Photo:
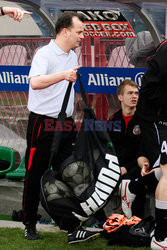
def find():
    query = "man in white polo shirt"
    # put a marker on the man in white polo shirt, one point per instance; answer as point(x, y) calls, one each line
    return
point(53, 66)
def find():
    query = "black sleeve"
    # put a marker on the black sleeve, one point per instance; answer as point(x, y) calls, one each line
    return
point(153, 92)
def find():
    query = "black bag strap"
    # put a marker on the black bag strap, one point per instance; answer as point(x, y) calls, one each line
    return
point(67, 94)
point(87, 107)
point(62, 114)
point(82, 89)
point(61, 117)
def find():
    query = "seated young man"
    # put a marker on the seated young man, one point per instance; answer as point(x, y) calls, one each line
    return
point(126, 136)
point(125, 133)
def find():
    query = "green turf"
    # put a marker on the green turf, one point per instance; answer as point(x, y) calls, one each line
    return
point(13, 239)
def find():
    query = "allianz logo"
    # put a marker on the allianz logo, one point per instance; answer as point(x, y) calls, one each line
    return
point(104, 79)
point(9, 77)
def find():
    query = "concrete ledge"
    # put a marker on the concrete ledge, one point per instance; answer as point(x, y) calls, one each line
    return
point(40, 227)
point(11, 193)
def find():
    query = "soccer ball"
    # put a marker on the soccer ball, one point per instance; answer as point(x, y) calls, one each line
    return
point(56, 190)
point(77, 175)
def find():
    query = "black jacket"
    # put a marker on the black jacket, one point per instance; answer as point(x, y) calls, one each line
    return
point(126, 141)
point(153, 92)
point(152, 103)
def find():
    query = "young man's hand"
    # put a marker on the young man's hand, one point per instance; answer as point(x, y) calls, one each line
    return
point(123, 170)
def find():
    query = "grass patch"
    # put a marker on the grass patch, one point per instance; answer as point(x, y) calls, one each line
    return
point(5, 217)
point(13, 238)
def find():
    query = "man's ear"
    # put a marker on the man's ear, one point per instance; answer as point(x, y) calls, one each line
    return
point(65, 32)
point(120, 98)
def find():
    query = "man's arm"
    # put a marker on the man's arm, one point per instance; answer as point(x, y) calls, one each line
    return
point(44, 81)
point(15, 13)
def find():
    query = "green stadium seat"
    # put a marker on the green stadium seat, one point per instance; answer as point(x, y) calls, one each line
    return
point(7, 160)
point(18, 173)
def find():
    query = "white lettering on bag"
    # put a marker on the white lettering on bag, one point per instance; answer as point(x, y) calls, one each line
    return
point(107, 181)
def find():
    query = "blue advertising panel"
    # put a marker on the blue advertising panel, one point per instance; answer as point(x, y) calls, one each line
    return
point(106, 80)
point(95, 80)
point(14, 78)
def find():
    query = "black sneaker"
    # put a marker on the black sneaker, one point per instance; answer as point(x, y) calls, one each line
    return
point(81, 235)
point(30, 232)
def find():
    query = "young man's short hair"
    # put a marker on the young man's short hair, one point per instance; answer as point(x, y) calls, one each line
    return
point(65, 20)
point(120, 89)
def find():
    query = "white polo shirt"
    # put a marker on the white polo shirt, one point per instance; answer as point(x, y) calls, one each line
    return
point(48, 60)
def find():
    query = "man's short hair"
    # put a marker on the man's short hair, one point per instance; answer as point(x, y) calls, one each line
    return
point(65, 20)
point(120, 89)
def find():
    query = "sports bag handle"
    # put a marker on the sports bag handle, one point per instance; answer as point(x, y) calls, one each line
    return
point(61, 117)
point(65, 102)
point(82, 89)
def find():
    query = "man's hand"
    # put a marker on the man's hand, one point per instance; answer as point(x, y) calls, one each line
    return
point(15, 13)
point(144, 164)
point(71, 74)
point(145, 169)
point(123, 170)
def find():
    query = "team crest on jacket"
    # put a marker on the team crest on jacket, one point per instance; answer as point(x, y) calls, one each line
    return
point(136, 130)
